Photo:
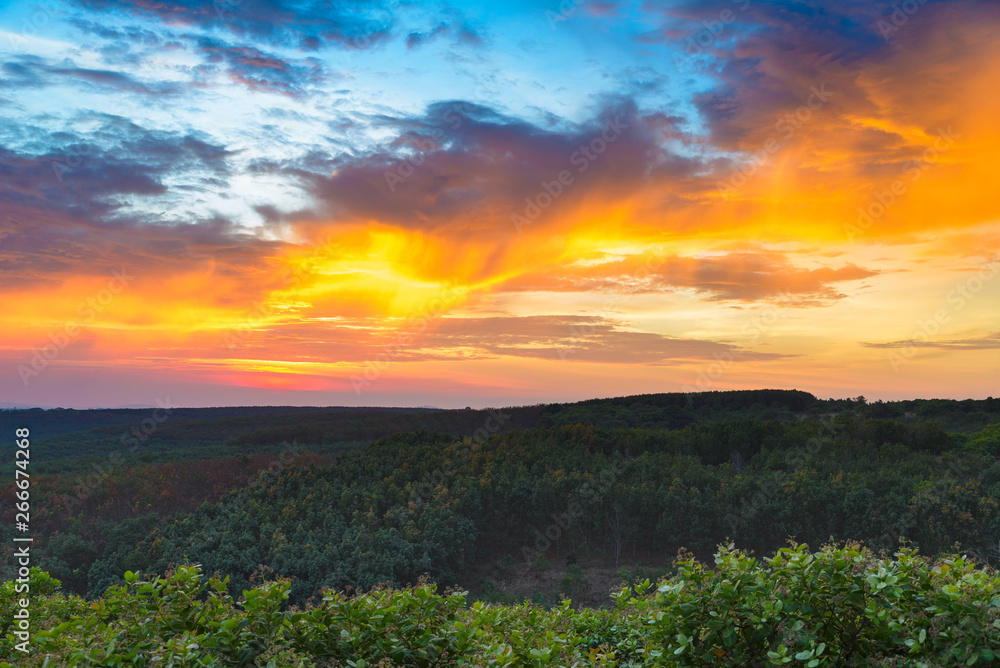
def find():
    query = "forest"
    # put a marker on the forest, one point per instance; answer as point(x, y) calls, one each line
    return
point(522, 509)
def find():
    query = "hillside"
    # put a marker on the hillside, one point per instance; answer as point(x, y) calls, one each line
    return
point(498, 500)
point(78, 439)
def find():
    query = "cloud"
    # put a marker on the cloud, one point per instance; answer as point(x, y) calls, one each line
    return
point(306, 25)
point(462, 162)
point(32, 71)
point(43, 249)
point(39, 182)
point(68, 210)
point(80, 173)
point(21, 75)
point(884, 103)
point(461, 33)
point(129, 46)
point(988, 342)
point(584, 338)
point(546, 337)
point(740, 276)
point(126, 35)
point(419, 198)
point(260, 71)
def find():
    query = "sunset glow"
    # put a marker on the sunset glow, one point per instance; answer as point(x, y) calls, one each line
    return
point(266, 202)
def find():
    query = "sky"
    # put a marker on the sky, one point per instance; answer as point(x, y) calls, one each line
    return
point(305, 202)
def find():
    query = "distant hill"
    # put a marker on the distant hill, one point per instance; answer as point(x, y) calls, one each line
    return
point(205, 433)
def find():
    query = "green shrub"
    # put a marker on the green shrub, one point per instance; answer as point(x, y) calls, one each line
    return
point(539, 562)
point(986, 441)
point(574, 582)
point(48, 607)
point(840, 606)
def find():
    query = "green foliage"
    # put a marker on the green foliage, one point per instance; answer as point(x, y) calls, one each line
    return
point(539, 561)
point(573, 582)
point(986, 441)
point(840, 606)
point(178, 620)
point(48, 606)
point(415, 628)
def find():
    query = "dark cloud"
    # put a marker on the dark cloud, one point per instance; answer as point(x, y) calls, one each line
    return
point(77, 179)
point(257, 70)
point(85, 177)
point(68, 206)
point(117, 80)
point(468, 163)
point(19, 75)
point(32, 71)
point(460, 33)
point(766, 56)
point(48, 247)
point(128, 34)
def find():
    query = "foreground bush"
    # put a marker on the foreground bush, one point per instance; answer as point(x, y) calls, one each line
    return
point(838, 607)
point(841, 606)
